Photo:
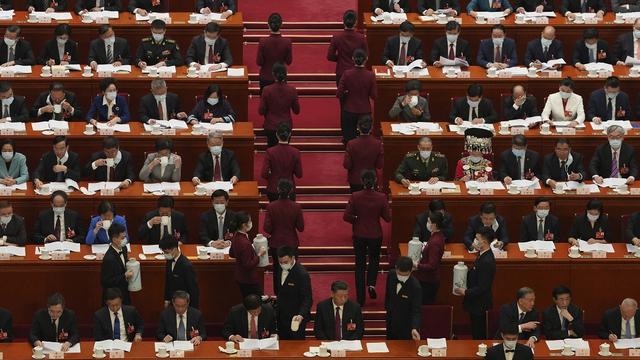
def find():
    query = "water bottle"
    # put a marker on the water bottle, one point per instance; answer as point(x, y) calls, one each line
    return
point(460, 276)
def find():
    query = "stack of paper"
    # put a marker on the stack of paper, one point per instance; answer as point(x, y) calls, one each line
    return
point(490, 14)
point(50, 125)
point(632, 248)
point(171, 69)
point(573, 185)
point(551, 63)
point(65, 246)
point(627, 343)
point(171, 124)
point(103, 185)
point(114, 69)
point(537, 245)
point(426, 18)
point(346, 345)
point(64, 186)
point(575, 344)
point(212, 250)
point(586, 247)
point(495, 185)
point(412, 127)
point(423, 185)
point(18, 69)
point(377, 347)
point(161, 187)
point(151, 249)
point(394, 16)
point(535, 14)
point(13, 250)
point(524, 184)
point(6, 14)
point(15, 126)
point(514, 71)
point(631, 61)
point(117, 127)
point(58, 16)
point(596, 66)
point(218, 185)
point(14, 187)
point(50, 347)
point(626, 124)
point(469, 125)
point(406, 68)
point(456, 62)
point(528, 122)
point(105, 13)
point(437, 343)
point(209, 17)
point(235, 72)
point(613, 182)
point(159, 16)
point(631, 15)
point(270, 343)
point(176, 345)
point(223, 127)
point(109, 345)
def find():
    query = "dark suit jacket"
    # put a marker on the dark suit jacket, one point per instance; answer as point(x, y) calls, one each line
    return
point(6, 326)
point(633, 227)
point(147, 5)
point(601, 161)
point(351, 315)
point(148, 108)
point(479, 297)
point(522, 352)
point(356, 88)
point(100, 112)
point(198, 48)
point(42, 5)
point(384, 5)
point(294, 296)
point(42, 328)
point(341, 49)
point(509, 164)
point(530, 5)
point(98, 53)
point(420, 228)
point(17, 110)
point(183, 277)
point(209, 225)
point(509, 316)
point(528, 109)
point(23, 53)
point(50, 51)
point(403, 308)
point(624, 46)
point(228, 166)
point(598, 106)
point(363, 153)
point(70, 98)
point(475, 223)
point(460, 108)
point(581, 52)
point(612, 323)
point(552, 327)
point(536, 52)
point(15, 231)
point(551, 167)
point(168, 325)
point(122, 171)
point(103, 330)
point(111, 5)
point(44, 171)
point(224, 5)
point(529, 228)
point(444, 4)
point(237, 322)
point(364, 211)
point(282, 222)
point(112, 273)
point(392, 48)
point(590, 6)
point(152, 236)
point(486, 53)
point(44, 226)
point(441, 48)
point(581, 228)
point(6, 4)
point(281, 162)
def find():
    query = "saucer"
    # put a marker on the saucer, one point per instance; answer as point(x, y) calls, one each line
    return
point(325, 355)
point(473, 192)
point(45, 75)
point(223, 350)
point(44, 257)
point(32, 21)
point(492, 76)
point(481, 22)
point(191, 22)
point(195, 133)
point(89, 257)
point(207, 257)
point(617, 22)
point(414, 192)
point(38, 357)
point(309, 354)
point(504, 132)
point(89, 133)
point(424, 355)
point(558, 192)
point(604, 354)
point(47, 132)
point(451, 76)
point(156, 133)
point(87, 75)
point(142, 256)
point(530, 256)
point(162, 356)
point(575, 256)
point(481, 355)
point(513, 192)
point(592, 75)
point(99, 357)
point(192, 76)
point(545, 132)
point(570, 353)
point(160, 257)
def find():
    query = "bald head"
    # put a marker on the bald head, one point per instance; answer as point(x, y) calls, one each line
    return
point(628, 308)
point(549, 33)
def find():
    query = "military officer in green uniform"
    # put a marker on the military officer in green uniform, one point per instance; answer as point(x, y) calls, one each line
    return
point(157, 50)
point(422, 165)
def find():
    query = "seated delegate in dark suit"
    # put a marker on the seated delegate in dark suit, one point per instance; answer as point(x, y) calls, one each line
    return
point(108, 49)
point(225, 7)
point(115, 321)
point(522, 314)
point(473, 107)
point(404, 48)
point(520, 105)
point(487, 218)
point(399, 6)
point(569, 7)
point(12, 107)
point(543, 49)
point(499, 51)
point(179, 273)
point(217, 164)
point(6, 326)
point(160, 104)
point(539, 224)
point(338, 306)
point(625, 6)
point(155, 225)
point(111, 164)
point(562, 165)
point(214, 223)
point(450, 46)
point(609, 103)
point(114, 272)
point(591, 49)
point(403, 302)
point(420, 228)
point(58, 164)
point(55, 323)
point(563, 319)
point(99, 225)
point(591, 226)
point(428, 7)
point(632, 231)
point(493, 6)
point(509, 349)
point(518, 163)
point(625, 43)
point(533, 5)
point(44, 107)
point(11, 226)
point(212, 108)
point(6, 4)
point(143, 7)
point(45, 5)
point(13, 165)
point(61, 50)
point(613, 319)
point(601, 165)
point(174, 326)
point(237, 326)
point(109, 107)
point(58, 222)
point(97, 5)
point(209, 48)
point(14, 50)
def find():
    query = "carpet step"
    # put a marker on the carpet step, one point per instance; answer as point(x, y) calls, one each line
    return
point(301, 77)
point(303, 11)
point(319, 89)
point(313, 132)
point(316, 112)
point(296, 38)
point(289, 27)
point(320, 168)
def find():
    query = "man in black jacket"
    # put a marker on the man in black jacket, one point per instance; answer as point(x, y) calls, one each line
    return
point(338, 307)
point(108, 49)
point(12, 231)
point(174, 326)
point(403, 302)
point(250, 320)
point(116, 321)
point(429, 7)
point(114, 273)
point(55, 323)
point(522, 314)
point(179, 273)
point(217, 164)
point(111, 164)
point(625, 43)
point(563, 319)
point(162, 222)
point(58, 164)
point(519, 105)
point(563, 165)
point(519, 163)
point(473, 108)
point(14, 50)
point(478, 297)
point(488, 218)
point(160, 104)
point(209, 48)
point(613, 319)
point(420, 228)
point(451, 46)
point(510, 349)
point(404, 48)
point(602, 166)
point(539, 224)
point(144, 7)
point(381, 6)
point(45, 108)
point(632, 231)
point(294, 296)
point(58, 223)
point(12, 107)
point(543, 49)
point(226, 8)
point(6, 326)
point(590, 49)
point(214, 224)
point(83, 6)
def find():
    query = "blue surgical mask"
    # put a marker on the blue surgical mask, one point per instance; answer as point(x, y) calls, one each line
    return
point(452, 38)
point(425, 154)
point(497, 41)
point(615, 143)
point(612, 95)
point(7, 155)
point(518, 152)
point(212, 101)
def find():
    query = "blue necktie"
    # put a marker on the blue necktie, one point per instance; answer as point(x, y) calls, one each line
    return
point(627, 330)
point(116, 327)
point(182, 333)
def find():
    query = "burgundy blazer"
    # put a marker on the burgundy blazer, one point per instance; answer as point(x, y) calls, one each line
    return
point(341, 49)
point(247, 260)
point(281, 162)
point(356, 87)
point(429, 266)
point(363, 153)
point(271, 50)
point(364, 210)
point(276, 104)
point(283, 221)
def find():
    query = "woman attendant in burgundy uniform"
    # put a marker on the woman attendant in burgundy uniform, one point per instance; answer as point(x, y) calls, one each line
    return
point(246, 272)
point(428, 268)
point(277, 102)
point(271, 50)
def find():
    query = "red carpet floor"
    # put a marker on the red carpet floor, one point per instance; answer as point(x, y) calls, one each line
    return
point(319, 169)
point(327, 10)
point(308, 58)
point(315, 112)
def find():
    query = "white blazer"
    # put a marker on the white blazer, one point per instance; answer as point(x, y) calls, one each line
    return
point(554, 110)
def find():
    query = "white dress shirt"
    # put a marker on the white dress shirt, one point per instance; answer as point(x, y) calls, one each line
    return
point(623, 329)
point(184, 320)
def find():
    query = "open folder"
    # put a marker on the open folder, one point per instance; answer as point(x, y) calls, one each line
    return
point(270, 343)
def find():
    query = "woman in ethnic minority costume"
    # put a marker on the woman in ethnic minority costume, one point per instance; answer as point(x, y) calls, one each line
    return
point(477, 142)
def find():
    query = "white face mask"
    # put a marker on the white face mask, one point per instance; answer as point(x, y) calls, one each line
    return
point(110, 40)
point(452, 38)
point(157, 37)
point(592, 218)
point(249, 226)
point(208, 41)
point(111, 95)
point(212, 101)
point(473, 103)
point(615, 143)
point(475, 159)
point(58, 210)
point(219, 208)
point(542, 213)
point(591, 46)
point(7, 155)
point(215, 150)
point(61, 41)
point(106, 225)
point(565, 95)
point(405, 39)
point(9, 42)
point(545, 42)
point(286, 266)
point(5, 219)
point(413, 101)
point(7, 101)
point(497, 41)
point(168, 257)
point(425, 154)
point(403, 278)
point(160, 97)
point(510, 344)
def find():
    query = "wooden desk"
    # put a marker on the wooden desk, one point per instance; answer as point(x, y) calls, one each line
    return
point(567, 32)
point(127, 27)
point(442, 89)
point(139, 143)
point(79, 281)
point(133, 203)
point(137, 84)
point(451, 145)
point(585, 277)
point(293, 349)
point(172, 5)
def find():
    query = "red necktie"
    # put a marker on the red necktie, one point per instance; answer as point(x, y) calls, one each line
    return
point(211, 55)
point(112, 173)
point(452, 53)
point(58, 229)
point(160, 112)
point(338, 324)
point(402, 60)
point(497, 56)
point(217, 172)
point(253, 328)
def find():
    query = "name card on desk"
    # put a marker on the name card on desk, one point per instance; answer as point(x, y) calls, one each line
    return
point(5, 256)
point(493, 21)
point(56, 355)
point(116, 354)
point(555, 74)
point(7, 132)
point(568, 131)
point(107, 192)
point(169, 132)
point(172, 192)
point(58, 71)
point(106, 131)
point(583, 190)
point(635, 191)
point(499, 254)
point(102, 20)
point(446, 254)
point(505, 75)
point(583, 352)
point(244, 353)
point(632, 352)
point(526, 191)
point(1, 356)
point(176, 354)
point(598, 254)
point(7, 73)
point(545, 254)
point(464, 74)
point(439, 352)
point(166, 74)
point(6, 191)
point(103, 74)
point(58, 256)
point(542, 20)
point(591, 21)
point(486, 191)
point(518, 130)
point(434, 192)
point(339, 353)
point(59, 131)
point(217, 256)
